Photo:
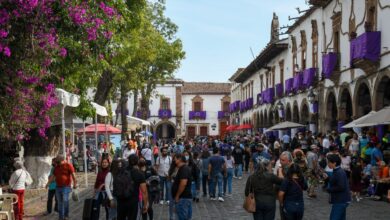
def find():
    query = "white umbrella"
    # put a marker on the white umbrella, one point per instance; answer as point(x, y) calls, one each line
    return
point(354, 123)
point(285, 125)
point(381, 117)
point(66, 99)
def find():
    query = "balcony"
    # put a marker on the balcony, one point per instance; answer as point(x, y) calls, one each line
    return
point(249, 103)
point(235, 106)
point(268, 95)
point(164, 113)
point(279, 90)
point(319, 3)
point(197, 115)
point(329, 64)
point(365, 51)
point(298, 82)
point(223, 114)
point(289, 86)
point(140, 114)
point(309, 77)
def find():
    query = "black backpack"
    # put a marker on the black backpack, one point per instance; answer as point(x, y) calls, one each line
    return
point(123, 184)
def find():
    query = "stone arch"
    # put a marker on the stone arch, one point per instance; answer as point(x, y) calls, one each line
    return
point(295, 112)
point(165, 130)
point(382, 92)
point(345, 110)
point(258, 122)
point(304, 112)
point(271, 118)
point(331, 112)
point(363, 102)
point(288, 112)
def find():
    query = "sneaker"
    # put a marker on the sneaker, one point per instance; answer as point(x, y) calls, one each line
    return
point(240, 178)
point(221, 199)
point(234, 177)
point(357, 199)
point(229, 195)
point(162, 202)
point(167, 202)
point(213, 198)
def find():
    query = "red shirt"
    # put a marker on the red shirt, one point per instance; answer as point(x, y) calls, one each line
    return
point(63, 174)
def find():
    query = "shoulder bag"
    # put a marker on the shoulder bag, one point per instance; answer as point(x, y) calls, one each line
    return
point(250, 202)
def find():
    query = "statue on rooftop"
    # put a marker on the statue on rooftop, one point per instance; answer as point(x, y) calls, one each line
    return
point(275, 28)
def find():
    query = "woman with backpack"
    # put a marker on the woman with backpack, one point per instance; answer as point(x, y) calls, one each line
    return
point(99, 190)
point(291, 193)
point(153, 192)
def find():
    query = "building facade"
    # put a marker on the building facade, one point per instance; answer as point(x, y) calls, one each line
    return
point(332, 68)
point(187, 109)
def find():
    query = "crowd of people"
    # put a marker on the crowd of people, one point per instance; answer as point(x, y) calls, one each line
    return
point(180, 172)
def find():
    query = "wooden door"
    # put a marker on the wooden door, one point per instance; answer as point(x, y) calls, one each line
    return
point(191, 131)
point(204, 131)
point(222, 129)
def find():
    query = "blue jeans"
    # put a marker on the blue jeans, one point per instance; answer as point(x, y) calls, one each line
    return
point(293, 210)
point(62, 194)
point(214, 180)
point(339, 211)
point(165, 184)
point(238, 170)
point(194, 190)
point(227, 181)
point(184, 209)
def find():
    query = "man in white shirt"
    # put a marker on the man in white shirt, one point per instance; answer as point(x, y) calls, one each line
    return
point(325, 143)
point(163, 163)
point(127, 152)
point(146, 152)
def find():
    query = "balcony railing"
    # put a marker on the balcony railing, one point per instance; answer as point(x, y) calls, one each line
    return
point(197, 115)
point(235, 106)
point(289, 85)
point(268, 95)
point(164, 113)
point(223, 114)
point(309, 77)
point(279, 90)
point(298, 82)
point(365, 51)
point(329, 63)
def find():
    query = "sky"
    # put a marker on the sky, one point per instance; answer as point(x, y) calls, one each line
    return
point(218, 35)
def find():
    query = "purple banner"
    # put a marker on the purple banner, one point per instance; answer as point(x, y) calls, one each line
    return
point(289, 85)
point(222, 114)
point(269, 95)
point(197, 115)
point(329, 62)
point(249, 104)
point(279, 90)
point(340, 125)
point(164, 113)
point(308, 77)
point(297, 84)
point(366, 46)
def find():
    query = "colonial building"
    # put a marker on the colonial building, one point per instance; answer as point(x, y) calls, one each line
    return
point(332, 68)
point(188, 109)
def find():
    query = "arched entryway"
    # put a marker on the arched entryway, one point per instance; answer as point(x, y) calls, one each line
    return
point(166, 131)
point(382, 93)
point(265, 122)
point(331, 112)
point(345, 109)
point(288, 113)
point(305, 116)
point(295, 115)
point(271, 118)
point(363, 100)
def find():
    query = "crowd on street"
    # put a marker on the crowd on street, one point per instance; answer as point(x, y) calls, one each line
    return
point(178, 173)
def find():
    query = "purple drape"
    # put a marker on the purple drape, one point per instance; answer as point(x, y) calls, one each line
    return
point(340, 125)
point(329, 62)
point(279, 90)
point(366, 46)
point(197, 115)
point(222, 114)
point(269, 95)
point(289, 85)
point(297, 84)
point(249, 103)
point(164, 113)
point(308, 77)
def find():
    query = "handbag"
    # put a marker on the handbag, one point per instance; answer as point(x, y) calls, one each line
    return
point(75, 195)
point(250, 202)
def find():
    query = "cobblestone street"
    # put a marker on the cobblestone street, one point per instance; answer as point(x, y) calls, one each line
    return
point(231, 208)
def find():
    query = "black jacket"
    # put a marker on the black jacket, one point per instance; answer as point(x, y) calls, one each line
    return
point(339, 187)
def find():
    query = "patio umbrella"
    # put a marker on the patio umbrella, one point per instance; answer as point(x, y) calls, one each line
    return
point(146, 133)
point(100, 128)
point(353, 124)
point(231, 127)
point(381, 117)
point(244, 127)
point(285, 125)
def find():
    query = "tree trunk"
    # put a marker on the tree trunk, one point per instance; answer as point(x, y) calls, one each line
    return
point(135, 92)
point(38, 153)
point(124, 112)
point(103, 89)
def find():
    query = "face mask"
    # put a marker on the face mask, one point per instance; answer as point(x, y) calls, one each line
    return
point(187, 158)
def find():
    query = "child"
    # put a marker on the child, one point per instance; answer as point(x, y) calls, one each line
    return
point(356, 179)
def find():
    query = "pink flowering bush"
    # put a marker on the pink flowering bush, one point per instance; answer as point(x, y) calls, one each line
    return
point(46, 44)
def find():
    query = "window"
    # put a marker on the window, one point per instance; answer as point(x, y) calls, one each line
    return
point(225, 106)
point(273, 77)
point(304, 46)
point(281, 66)
point(197, 106)
point(165, 104)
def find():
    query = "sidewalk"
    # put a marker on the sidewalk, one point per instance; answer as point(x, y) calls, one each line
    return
point(35, 206)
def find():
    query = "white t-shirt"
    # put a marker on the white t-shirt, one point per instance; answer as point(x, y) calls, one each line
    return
point(20, 179)
point(127, 152)
point(163, 165)
point(229, 163)
point(326, 143)
point(147, 153)
point(108, 185)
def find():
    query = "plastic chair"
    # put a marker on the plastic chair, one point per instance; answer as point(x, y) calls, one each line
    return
point(7, 208)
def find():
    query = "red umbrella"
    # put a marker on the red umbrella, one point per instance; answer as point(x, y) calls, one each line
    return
point(231, 127)
point(244, 127)
point(101, 128)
